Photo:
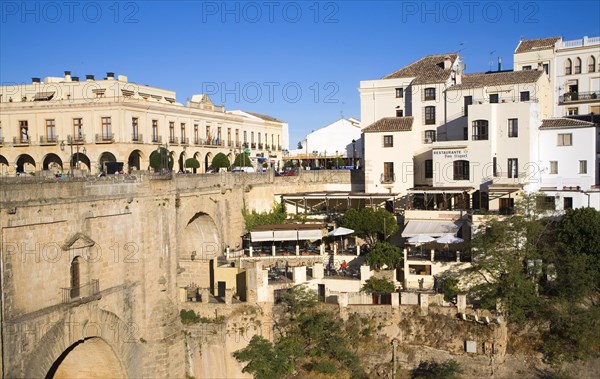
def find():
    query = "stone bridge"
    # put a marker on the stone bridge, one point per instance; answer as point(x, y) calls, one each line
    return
point(91, 266)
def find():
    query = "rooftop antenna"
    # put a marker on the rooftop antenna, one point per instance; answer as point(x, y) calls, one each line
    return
point(462, 46)
point(491, 59)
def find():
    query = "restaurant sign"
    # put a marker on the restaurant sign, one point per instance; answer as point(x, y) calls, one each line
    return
point(450, 154)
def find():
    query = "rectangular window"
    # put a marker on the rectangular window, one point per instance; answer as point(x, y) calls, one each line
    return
point(134, 129)
point(554, 167)
point(524, 95)
point(429, 115)
point(494, 98)
point(245, 137)
point(461, 170)
point(546, 203)
point(237, 137)
point(219, 137)
point(228, 136)
point(468, 101)
point(573, 111)
point(24, 130)
point(196, 137)
point(567, 203)
point(526, 68)
point(208, 136)
point(154, 130)
point(429, 93)
point(51, 130)
point(430, 136)
point(388, 172)
point(182, 132)
point(565, 139)
point(428, 169)
point(399, 113)
point(78, 129)
point(106, 128)
point(480, 130)
point(583, 167)
point(251, 137)
point(546, 68)
point(513, 168)
point(388, 141)
point(399, 92)
point(171, 132)
point(513, 127)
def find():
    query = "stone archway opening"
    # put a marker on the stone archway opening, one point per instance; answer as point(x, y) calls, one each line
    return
point(53, 163)
point(207, 161)
point(88, 358)
point(25, 163)
point(3, 166)
point(105, 158)
point(134, 162)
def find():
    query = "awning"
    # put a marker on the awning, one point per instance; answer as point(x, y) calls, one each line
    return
point(431, 228)
point(40, 96)
point(261, 236)
point(285, 235)
point(310, 235)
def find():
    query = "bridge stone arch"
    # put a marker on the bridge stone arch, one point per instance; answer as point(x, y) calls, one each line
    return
point(86, 341)
point(201, 239)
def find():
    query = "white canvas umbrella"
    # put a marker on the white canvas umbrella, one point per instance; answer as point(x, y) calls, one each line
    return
point(420, 238)
point(448, 238)
point(339, 232)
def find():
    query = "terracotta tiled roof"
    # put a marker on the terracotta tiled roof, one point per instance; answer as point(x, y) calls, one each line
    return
point(264, 117)
point(482, 79)
point(536, 44)
point(390, 124)
point(551, 123)
point(429, 69)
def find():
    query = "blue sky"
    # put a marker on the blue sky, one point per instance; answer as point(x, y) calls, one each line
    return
point(299, 61)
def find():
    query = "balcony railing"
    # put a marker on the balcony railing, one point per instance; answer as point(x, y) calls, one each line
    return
point(267, 147)
point(260, 146)
point(253, 145)
point(571, 97)
point(568, 71)
point(21, 141)
point(49, 140)
point(388, 178)
point(78, 140)
point(479, 137)
point(105, 138)
point(173, 140)
point(83, 292)
point(138, 138)
point(156, 139)
point(578, 69)
point(430, 121)
point(185, 140)
point(591, 68)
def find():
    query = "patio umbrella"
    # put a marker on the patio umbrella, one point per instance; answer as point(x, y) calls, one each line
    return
point(420, 238)
point(339, 232)
point(448, 238)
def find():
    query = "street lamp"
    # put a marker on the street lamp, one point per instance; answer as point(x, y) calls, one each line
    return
point(337, 161)
point(354, 154)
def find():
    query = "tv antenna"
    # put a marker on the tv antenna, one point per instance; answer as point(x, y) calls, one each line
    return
point(491, 60)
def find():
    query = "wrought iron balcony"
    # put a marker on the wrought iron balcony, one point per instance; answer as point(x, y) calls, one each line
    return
point(23, 140)
point(388, 178)
point(156, 139)
point(49, 140)
point(571, 97)
point(185, 140)
point(78, 140)
point(138, 138)
point(105, 138)
point(173, 140)
point(88, 291)
point(479, 137)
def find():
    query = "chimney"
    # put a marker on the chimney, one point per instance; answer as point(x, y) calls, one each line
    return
point(35, 80)
point(89, 77)
point(110, 75)
point(447, 62)
point(68, 76)
point(499, 63)
point(75, 78)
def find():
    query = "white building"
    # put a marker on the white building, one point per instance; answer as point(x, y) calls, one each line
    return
point(569, 163)
point(340, 139)
point(573, 68)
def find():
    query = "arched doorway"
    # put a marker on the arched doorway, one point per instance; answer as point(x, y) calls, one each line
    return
point(52, 162)
point(25, 163)
point(3, 166)
point(207, 161)
point(87, 358)
point(81, 161)
point(134, 162)
point(105, 158)
point(182, 162)
point(200, 241)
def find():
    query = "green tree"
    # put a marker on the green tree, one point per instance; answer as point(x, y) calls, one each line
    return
point(384, 254)
point(434, 370)
point(276, 215)
point(192, 163)
point(371, 225)
point(158, 159)
point(375, 285)
point(242, 160)
point(449, 288)
point(220, 160)
point(264, 362)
